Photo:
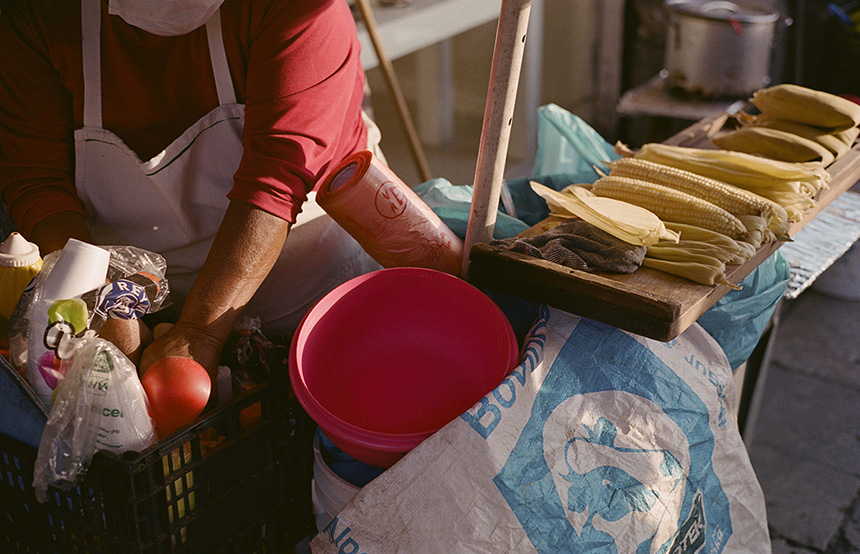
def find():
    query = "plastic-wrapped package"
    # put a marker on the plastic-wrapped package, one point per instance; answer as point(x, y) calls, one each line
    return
point(77, 290)
point(100, 405)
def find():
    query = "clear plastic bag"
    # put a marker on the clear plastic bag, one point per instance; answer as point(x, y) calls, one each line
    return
point(567, 144)
point(42, 330)
point(100, 405)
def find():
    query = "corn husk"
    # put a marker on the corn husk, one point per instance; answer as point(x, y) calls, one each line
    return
point(622, 220)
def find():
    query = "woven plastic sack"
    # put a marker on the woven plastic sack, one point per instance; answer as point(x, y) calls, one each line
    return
point(600, 441)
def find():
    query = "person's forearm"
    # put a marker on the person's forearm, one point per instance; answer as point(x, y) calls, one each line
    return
point(246, 247)
point(51, 233)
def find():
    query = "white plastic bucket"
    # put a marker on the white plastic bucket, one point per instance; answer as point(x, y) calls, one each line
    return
point(329, 492)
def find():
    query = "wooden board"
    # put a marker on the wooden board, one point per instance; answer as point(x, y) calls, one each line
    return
point(646, 302)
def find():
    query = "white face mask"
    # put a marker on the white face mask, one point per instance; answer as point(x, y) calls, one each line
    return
point(166, 18)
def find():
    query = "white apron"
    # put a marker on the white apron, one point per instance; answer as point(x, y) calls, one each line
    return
point(173, 204)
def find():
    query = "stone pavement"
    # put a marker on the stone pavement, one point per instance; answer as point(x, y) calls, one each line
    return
point(805, 444)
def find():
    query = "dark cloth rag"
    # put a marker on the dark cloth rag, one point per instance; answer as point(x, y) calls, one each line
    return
point(577, 244)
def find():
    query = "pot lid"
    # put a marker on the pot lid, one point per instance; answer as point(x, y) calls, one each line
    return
point(722, 10)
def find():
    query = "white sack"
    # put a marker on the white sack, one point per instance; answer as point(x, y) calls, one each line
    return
point(600, 441)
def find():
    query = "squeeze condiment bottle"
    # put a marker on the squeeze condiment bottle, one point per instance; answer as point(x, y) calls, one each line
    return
point(19, 263)
point(80, 267)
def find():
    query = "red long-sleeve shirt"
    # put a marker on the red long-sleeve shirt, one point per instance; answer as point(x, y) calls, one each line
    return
point(294, 64)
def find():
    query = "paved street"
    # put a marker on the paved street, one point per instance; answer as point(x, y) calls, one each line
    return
point(805, 445)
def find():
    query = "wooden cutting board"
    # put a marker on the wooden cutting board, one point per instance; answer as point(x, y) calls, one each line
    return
point(646, 302)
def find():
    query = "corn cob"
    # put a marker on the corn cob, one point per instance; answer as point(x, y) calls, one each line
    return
point(837, 142)
point(736, 168)
point(625, 221)
point(773, 144)
point(702, 273)
point(734, 200)
point(804, 105)
point(670, 204)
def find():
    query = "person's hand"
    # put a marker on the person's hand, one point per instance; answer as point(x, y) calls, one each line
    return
point(131, 336)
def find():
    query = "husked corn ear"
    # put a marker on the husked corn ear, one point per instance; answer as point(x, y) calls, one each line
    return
point(688, 250)
point(795, 199)
point(758, 230)
point(773, 144)
point(736, 168)
point(700, 234)
point(742, 251)
point(734, 200)
point(848, 136)
point(625, 221)
point(702, 273)
point(805, 105)
point(837, 142)
point(670, 204)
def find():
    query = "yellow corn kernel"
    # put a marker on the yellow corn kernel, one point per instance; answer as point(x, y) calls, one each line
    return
point(805, 105)
point(623, 220)
point(669, 204)
point(734, 200)
point(736, 168)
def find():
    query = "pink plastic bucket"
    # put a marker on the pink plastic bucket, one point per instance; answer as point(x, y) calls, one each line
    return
point(388, 358)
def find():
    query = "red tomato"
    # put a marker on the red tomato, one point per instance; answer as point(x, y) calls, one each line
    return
point(178, 389)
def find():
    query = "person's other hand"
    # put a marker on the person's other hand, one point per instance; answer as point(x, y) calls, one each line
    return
point(131, 336)
point(187, 340)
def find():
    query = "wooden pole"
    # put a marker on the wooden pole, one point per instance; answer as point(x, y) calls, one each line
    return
point(498, 117)
point(394, 89)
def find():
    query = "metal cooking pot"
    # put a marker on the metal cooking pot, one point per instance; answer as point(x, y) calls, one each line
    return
point(719, 49)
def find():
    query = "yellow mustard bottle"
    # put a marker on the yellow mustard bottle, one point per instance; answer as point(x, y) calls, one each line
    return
point(20, 261)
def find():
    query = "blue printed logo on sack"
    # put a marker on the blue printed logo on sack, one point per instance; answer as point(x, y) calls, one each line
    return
point(616, 456)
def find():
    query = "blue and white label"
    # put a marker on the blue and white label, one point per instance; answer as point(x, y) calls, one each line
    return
point(122, 299)
point(616, 455)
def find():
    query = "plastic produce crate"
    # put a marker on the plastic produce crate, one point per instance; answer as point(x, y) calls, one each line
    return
point(220, 484)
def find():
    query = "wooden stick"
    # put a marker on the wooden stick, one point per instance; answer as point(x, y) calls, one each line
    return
point(498, 117)
point(394, 89)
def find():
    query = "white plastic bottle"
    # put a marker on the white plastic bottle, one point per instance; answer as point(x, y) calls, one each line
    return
point(19, 263)
point(79, 268)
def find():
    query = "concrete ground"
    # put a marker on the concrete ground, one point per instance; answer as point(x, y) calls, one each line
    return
point(805, 442)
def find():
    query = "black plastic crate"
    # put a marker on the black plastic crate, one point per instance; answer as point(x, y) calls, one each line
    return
point(219, 485)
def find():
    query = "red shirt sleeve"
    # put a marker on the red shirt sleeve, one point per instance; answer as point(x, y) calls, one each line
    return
point(36, 129)
point(303, 95)
point(295, 65)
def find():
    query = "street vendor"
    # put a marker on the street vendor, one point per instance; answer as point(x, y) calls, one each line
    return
point(194, 129)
